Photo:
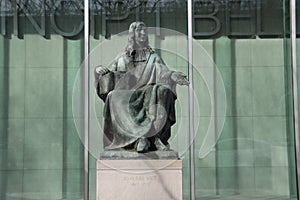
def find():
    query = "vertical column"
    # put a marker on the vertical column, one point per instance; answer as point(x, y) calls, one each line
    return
point(191, 100)
point(86, 99)
point(295, 88)
point(4, 115)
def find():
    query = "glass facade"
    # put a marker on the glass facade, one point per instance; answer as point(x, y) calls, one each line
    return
point(244, 144)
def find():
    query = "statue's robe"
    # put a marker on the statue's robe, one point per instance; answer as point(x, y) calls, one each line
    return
point(139, 100)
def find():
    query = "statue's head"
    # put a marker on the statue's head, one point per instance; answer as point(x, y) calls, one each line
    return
point(138, 37)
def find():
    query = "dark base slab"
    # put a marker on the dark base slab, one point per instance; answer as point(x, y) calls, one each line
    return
point(133, 155)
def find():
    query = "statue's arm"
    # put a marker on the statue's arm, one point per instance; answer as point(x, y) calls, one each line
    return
point(171, 77)
point(105, 79)
point(179, 78)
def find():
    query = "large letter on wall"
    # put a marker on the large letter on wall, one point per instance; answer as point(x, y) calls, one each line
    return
point(76, 30)
point(41, 29)
point(204, 17)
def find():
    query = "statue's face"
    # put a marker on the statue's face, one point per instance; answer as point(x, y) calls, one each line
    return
point(141, 35)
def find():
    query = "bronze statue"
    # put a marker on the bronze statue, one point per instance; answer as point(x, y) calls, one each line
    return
point(139, 95)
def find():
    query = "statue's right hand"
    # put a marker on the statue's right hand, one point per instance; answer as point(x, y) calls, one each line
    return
point(101, 70)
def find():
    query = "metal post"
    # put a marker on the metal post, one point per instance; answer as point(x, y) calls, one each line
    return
point(15, 18)
point(295, 88)
point(157, 20)
point(3, 17)
point(191, 100)
point(86, 99)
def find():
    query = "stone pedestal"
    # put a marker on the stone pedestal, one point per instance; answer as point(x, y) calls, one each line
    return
point(139, 179)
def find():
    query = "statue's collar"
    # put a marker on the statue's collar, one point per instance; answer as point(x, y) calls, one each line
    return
point(142, 55)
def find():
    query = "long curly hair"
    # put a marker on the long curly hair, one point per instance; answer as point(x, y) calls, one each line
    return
point(131, 46)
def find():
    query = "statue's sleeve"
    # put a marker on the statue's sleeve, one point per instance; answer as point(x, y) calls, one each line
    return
point(119, 63)
point(107, 82)
point(164, 73)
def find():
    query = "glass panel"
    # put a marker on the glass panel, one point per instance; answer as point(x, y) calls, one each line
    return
point(250, 153)
point(40, 52)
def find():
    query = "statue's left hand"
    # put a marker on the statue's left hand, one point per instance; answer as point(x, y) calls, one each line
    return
point(101, 70)
point(180, 78)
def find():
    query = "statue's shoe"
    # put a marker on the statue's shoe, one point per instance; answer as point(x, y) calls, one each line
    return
point(142, 145)
point(160, 146)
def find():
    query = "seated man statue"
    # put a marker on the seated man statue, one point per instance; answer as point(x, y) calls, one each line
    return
point(139, 95)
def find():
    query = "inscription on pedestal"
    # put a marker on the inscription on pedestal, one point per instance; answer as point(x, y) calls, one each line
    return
point(140, 180)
